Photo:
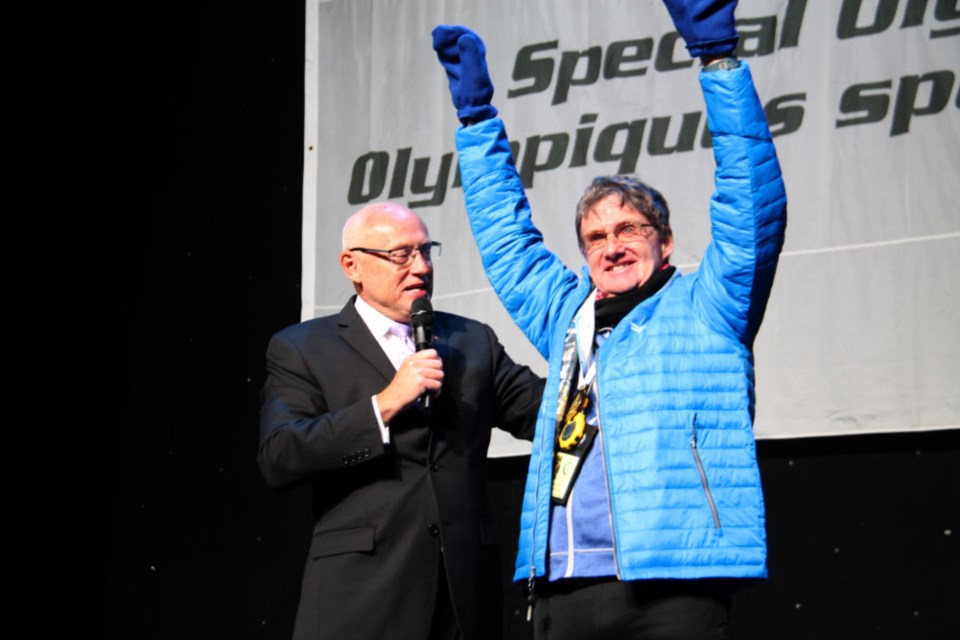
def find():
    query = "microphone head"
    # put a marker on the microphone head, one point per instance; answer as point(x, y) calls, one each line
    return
point(421, 311)
point(421, 321)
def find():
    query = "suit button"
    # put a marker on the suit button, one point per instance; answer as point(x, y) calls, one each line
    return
point(433, 529)
point(434, 467)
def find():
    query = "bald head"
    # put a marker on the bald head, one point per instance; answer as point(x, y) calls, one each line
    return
point(388, 287)
point(379, 219)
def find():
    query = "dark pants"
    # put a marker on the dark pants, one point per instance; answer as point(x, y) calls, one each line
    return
point(444, 625)
point(580, 609)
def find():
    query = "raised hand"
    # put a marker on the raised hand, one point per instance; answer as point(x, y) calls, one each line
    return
point(463, 56)
point(707, 26)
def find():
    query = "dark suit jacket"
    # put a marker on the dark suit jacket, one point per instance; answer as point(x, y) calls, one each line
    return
point(382, 514)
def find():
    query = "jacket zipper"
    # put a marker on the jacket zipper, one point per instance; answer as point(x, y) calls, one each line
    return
point(531, 594)
point(703, 475)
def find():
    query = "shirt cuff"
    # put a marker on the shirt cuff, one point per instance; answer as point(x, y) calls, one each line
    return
point(384, 432)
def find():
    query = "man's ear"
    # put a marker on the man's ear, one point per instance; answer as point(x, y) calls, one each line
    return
point(350, 266)
point(666, 245)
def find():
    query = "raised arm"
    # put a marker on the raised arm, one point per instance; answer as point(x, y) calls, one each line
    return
point(748, 206)
point(530, 281)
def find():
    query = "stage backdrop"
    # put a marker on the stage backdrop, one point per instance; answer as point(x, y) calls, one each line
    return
point(862, 333)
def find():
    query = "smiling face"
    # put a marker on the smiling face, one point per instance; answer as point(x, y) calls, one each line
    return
point(385, 286)
point(618, 266)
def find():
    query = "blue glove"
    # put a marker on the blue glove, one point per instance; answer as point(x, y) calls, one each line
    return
point(707, 26)
point(461, 52)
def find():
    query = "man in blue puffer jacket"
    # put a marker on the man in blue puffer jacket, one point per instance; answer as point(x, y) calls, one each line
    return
point(643, 503)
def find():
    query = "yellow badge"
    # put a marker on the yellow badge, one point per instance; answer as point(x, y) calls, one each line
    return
point(573, 441)
point(564, 473)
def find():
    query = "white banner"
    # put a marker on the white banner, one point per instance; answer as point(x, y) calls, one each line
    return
point(862, 333)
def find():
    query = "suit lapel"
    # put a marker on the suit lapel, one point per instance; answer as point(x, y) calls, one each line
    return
point(354, 331)
point(440, 337)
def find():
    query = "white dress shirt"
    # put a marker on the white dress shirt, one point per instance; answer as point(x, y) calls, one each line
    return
point(388, 334)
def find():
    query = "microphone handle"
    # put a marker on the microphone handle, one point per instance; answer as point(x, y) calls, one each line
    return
point(420, 338)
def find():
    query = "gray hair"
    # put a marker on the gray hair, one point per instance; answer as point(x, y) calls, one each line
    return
point(634, 194)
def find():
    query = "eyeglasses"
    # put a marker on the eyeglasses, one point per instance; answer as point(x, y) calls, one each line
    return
point(625, 232)
point(403, 256)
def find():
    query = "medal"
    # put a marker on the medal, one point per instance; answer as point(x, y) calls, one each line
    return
point(575, 421)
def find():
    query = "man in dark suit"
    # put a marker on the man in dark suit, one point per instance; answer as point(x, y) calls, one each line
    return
point(404, 545)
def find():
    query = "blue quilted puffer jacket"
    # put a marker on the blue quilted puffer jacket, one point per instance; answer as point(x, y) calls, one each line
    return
point(676, 376)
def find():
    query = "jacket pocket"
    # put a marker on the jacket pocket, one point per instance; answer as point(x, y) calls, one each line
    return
point(339, 541)
point(703, 474)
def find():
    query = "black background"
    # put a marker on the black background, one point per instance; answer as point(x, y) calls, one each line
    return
point(166, 143)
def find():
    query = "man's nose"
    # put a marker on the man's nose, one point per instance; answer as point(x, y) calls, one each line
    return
point(419, 264)
point(613, 246)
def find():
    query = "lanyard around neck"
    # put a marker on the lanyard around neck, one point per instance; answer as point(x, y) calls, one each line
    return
point(584, 324)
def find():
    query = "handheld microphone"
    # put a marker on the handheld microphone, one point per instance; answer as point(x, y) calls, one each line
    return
point(421, 325)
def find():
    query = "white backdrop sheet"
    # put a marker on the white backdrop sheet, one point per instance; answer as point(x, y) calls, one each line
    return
point(862, 333)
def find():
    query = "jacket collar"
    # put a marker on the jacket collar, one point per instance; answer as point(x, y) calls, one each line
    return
point(354, 331)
